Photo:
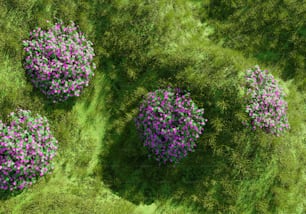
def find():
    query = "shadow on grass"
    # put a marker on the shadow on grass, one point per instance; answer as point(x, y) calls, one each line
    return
point(5, 195)
point(199, 179)
point(6, 107)
point(129, 173)
point(49, 105)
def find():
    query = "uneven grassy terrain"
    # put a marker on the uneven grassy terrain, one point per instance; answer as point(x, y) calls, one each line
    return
point(101, 165)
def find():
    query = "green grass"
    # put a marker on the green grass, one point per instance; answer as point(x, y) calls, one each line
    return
point(101, 165)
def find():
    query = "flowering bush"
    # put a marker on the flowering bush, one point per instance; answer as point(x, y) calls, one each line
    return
point(26, 150)
point(58, 61)
point(170, 123)
point(265, 103)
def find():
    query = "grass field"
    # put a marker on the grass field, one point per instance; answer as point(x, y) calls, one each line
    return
point(101, 165)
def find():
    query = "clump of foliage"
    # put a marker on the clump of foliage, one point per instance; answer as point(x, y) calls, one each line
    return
point(27, 147)
point(170, 123)
point(58, 61)
point(265, 102)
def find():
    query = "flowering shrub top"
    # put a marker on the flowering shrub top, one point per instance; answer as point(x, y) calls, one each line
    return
point(265, 102)
point(170, 123)
point(58, 61)
point(26, 150)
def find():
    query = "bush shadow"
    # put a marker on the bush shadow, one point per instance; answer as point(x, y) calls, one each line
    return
point(48, 105)
point(5, 194)
point(128, 171)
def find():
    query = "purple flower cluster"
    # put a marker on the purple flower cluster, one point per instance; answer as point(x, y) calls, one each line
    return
point(170, 123)
point(265, 102)
point(58, 61)
point(26, 150)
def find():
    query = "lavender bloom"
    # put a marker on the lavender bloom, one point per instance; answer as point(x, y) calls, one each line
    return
point(58, 61)
point(26, 150)
point(265, 102)
point(169, 123)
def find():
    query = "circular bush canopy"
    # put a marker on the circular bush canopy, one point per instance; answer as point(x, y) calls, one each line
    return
point(26, 150)
point(58, 61)
point(169, 123)
point(265, 102)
